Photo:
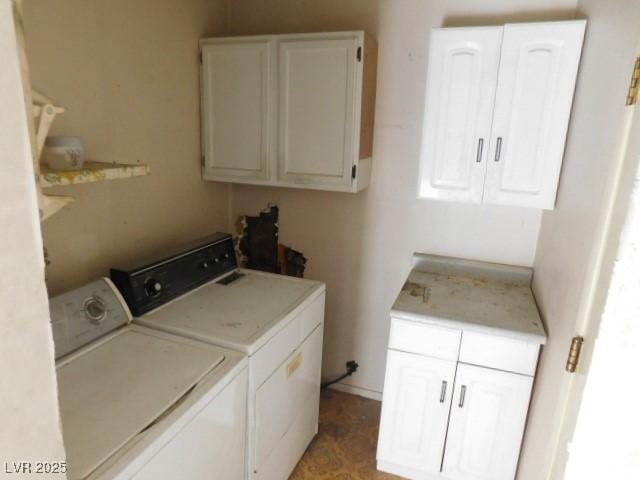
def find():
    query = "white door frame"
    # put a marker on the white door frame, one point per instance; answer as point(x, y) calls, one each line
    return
point(604, 444)
point(598, 295)
point(30, 430)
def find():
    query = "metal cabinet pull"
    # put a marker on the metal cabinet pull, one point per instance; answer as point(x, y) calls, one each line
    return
point(443, 391)
point(463, 392)
point(498, 149)
point(479, 150)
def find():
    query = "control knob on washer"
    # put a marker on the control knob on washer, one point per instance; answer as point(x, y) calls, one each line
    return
point(94, 309)
point(152, 287)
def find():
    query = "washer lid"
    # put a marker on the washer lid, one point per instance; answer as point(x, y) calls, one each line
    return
point(241, 315)
point(115, 388)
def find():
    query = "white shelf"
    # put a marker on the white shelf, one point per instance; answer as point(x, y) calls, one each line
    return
point(89, 173)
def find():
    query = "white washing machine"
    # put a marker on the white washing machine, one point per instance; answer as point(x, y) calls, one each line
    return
point(141, 404)
point(276, 320)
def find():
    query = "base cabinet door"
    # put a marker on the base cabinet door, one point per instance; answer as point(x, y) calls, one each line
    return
point(417, 398)
point(487, 421)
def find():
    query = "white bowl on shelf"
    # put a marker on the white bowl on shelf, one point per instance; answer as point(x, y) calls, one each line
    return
point(63, 153)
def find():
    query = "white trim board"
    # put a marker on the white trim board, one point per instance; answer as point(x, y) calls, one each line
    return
point(353, 390)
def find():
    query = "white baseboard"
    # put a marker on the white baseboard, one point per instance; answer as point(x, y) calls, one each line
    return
point(362, 392)
point(405, 472)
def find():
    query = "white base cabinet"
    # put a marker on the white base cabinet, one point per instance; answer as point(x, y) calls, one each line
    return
point(289, 110)
point(446, 419)
point(497, 112)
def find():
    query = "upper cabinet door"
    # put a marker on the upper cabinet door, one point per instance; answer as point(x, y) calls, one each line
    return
point(417, 397)
point(486, 425)
point(538, 68)
point(461, 82)
point(319, 125)
point(236, 108)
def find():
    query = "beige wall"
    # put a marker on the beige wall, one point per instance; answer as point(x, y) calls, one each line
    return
point(572, 237)
point(361, 245)
point(29, 429)
point(127, 71)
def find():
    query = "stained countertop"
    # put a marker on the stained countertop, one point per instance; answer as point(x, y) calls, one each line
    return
point(481, 298)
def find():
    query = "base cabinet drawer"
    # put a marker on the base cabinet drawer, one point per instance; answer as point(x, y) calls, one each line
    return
point(424, 339)
point(497, 352)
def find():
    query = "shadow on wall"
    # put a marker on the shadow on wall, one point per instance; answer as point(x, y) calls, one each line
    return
point(521, 16)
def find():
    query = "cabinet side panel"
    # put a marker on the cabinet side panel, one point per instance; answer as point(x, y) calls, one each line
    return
point(368, 106)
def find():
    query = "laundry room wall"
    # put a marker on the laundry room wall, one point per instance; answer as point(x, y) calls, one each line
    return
point(127, 72)
point(361, 245)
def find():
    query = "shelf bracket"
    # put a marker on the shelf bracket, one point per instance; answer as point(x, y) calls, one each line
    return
point(52, 204)
point(45, 114)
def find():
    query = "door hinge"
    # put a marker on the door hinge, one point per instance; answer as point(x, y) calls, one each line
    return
point(574, 354)
point(200, 57)
point(359, 54)
point(202, 160)
point(353, 172)
point(632, 96)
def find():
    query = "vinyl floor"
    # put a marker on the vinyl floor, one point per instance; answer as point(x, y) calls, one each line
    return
point(345, 447)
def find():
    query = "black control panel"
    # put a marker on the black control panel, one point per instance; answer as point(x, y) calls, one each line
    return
point(151, 284)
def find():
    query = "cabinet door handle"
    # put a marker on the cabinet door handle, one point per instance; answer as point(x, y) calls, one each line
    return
point(443, 391)
point(479, 150)
point(463, 393)
point(498, 149)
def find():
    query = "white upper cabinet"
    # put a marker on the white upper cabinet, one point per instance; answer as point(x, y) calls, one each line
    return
point(486, 424)
point(289, 110)
point(497, 111)
point(236, 109)
point(462, 76)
